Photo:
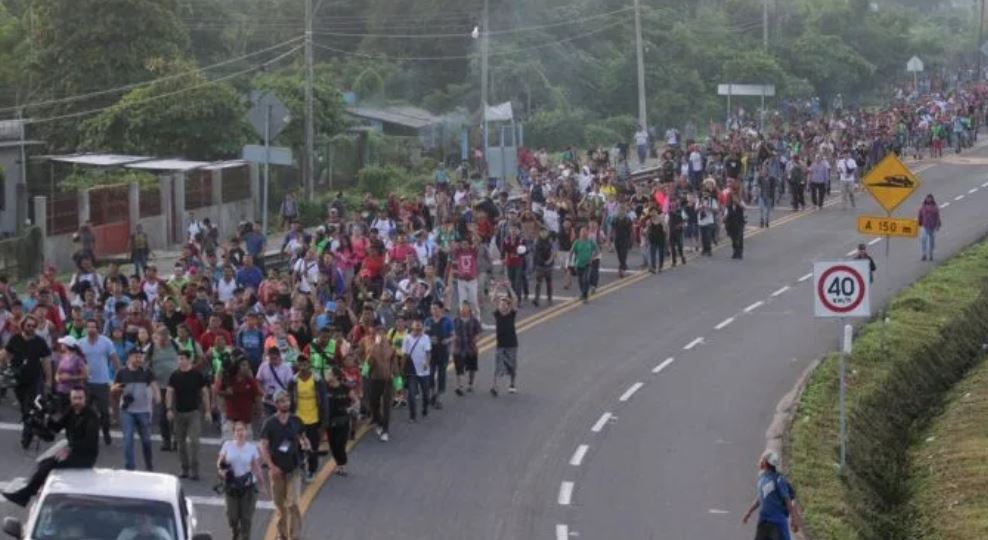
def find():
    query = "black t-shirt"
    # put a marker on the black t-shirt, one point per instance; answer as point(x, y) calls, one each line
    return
point(506, 335)
point(26, 355)
point(188, 387)
point(172, 321)
point(283, 442)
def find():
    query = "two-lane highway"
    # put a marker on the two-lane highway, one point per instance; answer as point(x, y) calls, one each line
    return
point(640, 415)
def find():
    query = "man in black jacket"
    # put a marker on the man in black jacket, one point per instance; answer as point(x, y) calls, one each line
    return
point(622, 227)
point(82, 428)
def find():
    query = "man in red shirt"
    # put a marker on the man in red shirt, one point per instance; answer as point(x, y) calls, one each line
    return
point(239, 393)
point(464, 269)
point(214, 329)
point(401, 252)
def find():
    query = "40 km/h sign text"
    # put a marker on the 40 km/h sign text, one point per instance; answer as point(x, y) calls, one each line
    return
point(841, 289)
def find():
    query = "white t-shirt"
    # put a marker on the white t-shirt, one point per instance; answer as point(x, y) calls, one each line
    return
point(846, 167)
point(641, 138)
point(224, 289)
point(308, 273)
point(417, 348)
point(551, 219)
point(696, 161)
point(240, 457)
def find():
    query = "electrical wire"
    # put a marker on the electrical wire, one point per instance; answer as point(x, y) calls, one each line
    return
point(133, 86)
point(169, 94)
point(470, 56)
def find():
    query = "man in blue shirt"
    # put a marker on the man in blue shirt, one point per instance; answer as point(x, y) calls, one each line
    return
point(99, 353)
point(439, 328)
point(249, 275)
point(255, 241)
point(775, 501)
point(250, 338)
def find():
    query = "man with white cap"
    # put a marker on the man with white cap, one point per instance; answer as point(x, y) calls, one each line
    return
point(776, 501)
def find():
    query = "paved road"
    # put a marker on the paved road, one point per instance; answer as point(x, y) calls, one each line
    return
point(675, 458)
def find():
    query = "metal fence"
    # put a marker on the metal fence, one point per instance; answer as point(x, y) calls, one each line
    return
point(198, 190)
point(109, 204)
point(63, 212)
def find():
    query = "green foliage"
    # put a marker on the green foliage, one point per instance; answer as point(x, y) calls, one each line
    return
point(556, 128)
point(86, 178)
point(186, 116)
point(380, 180)
point(934, 335)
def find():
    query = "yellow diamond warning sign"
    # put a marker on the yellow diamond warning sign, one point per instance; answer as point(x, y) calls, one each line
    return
point(890, 182)
point(886, 226)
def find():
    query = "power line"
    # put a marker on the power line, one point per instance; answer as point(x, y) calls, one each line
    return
point(469, 56)
point(491, 33)
point(132, 86)
point(169, 94)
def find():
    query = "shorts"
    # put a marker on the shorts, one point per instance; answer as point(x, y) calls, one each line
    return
point(506, 360)
point(464, 363)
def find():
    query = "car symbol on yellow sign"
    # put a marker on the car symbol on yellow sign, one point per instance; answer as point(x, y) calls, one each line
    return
point(890, 182)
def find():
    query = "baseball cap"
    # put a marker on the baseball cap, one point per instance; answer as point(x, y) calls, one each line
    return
point(771, 457)
point(68, 341)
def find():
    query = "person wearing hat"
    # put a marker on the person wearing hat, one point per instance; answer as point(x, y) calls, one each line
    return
point(775, 500)
point(70, 369)
point(273, 375)
point(862, 255)
point(283, 442)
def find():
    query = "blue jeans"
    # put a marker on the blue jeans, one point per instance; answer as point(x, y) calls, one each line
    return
point(765, 210)
point(927, 239)
point(417, 385)
point(583, 279)
point(656, 255)
point(142, 423)
point(642, 153)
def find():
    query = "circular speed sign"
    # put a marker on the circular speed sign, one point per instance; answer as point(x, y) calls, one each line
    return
point(841, 288)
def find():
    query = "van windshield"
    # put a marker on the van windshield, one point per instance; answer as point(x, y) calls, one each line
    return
point(85, 517)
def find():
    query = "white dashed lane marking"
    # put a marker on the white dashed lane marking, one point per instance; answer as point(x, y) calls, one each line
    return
point(565, 493)
point(753, 307)
point(723, 324)
point(959, 197)
point(578, 455)
point(972, 191)
point(562, 532)
point(780, 291)
point(601, 422)
point(631, 391)
point(875, 241)
point(804, 278)
point(665, 363)
point(852, 252)
point(693, 343)
point(944, 205)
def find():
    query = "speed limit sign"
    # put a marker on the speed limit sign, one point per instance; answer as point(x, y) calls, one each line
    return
point(840, 289)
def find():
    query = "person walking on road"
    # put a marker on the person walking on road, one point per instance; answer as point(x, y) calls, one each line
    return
point(138, 392)
point(677, 225)
point(847, 168)
point(439, 328)
point(273, 375)
point(101, 357)
point(466, 331)
point(29, 354)
point(506, 350)
point(641, 145)
point(775, 502)
point(283, 442)
point(863, 255)
point(583, 250)
point(655, 232)
point(819, 179)
point(622, 226)
point(239, 465)
point(382, 366)
point(341, 401)
point(162, 358)
point(929, 223)
point(417, 349)
point(544, 260)
point(309, 400)
point(187, 403)
point(734, 221)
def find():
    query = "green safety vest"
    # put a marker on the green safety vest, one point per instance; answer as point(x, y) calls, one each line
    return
point(320, 359)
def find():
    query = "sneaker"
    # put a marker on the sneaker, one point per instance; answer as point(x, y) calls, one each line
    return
point(470, 389)
point(459, 392)
point(166, 447)
point(194, 477)
point(341, 471)
point(412, 421)
point(379, 430)
point(384, 437)
point(512, 390)
point(185, 474)
point(438, 405)
point(309, 476)
point(535, 303)
point(106, 438)
point(494, 392)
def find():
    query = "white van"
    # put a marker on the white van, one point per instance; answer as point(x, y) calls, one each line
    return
point(103, 504)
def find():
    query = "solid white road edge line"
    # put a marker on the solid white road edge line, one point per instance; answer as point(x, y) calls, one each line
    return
point(875, 241)
point(780, 291)
point(208, 441)
point(631, 391)
point(693, 343)
point(562, 531)
point(578, 455)
point(221, 502)
point(565, 493)
point(804, 278)
point(601, 422)
point(753, 307)
point(665, 363)
point(717, 511)
point(723, 324)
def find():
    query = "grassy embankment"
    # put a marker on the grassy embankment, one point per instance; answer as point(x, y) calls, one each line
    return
point(934, 337)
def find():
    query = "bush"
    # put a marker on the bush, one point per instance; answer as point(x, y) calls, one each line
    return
point(556, 129)
point(598, 135)
point(379, 181)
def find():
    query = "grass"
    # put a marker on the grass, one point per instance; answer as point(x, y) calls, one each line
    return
point(949, 472)
point(934, 334)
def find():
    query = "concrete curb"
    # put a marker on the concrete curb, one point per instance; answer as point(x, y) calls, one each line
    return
point(777, 434)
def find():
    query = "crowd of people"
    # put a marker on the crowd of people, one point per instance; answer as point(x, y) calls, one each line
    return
point(377, 301)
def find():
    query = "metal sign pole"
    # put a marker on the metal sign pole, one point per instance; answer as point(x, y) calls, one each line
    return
point(267, 169)
point(848, 332)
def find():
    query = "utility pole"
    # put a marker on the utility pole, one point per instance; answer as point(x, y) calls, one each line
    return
point(483, 75)
point(765, 24)
point(309, 178)
point(642, 115)
point(981, 38)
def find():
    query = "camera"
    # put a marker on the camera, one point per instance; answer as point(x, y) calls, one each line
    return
point(40, 416)
point(126, 401)
point(9, 377)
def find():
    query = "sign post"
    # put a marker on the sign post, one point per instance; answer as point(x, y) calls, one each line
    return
point(268, 115)
point(914, 66)
point(841, 289)
point(731, 90)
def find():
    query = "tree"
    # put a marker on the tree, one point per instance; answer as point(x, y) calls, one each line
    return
point(82, 46)
point(187, 116)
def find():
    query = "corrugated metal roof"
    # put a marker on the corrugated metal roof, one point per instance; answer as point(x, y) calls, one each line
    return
point(225, 165)
point(402, 115)
point(179, 165)
point(98, 160)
